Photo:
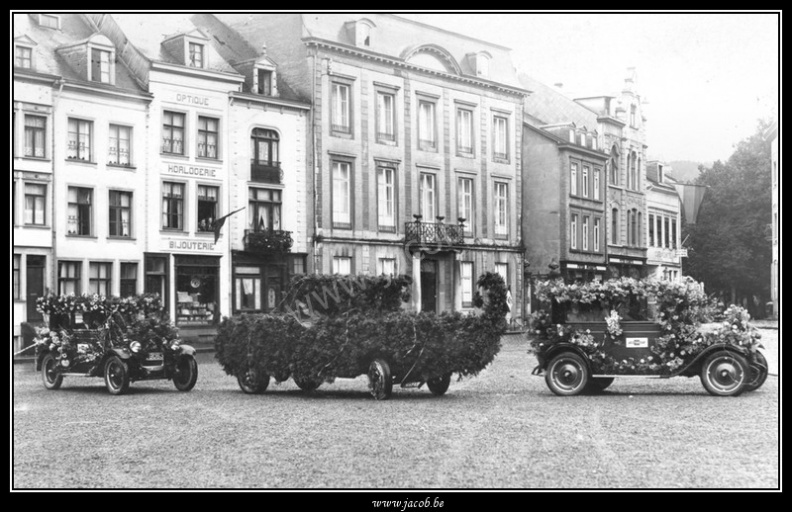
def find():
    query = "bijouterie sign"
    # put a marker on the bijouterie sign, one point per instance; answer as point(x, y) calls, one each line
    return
point(189, 245)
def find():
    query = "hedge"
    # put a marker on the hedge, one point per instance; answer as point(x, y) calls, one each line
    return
point(357, 329)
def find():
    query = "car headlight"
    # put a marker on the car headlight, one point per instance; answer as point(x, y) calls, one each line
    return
point(135, 346)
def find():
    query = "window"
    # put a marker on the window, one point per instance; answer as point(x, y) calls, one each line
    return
point(651, 230)
point(35, 202)
point(573, 231)
point(667, 232)
point(386, 125)
point(264, 209)
point(659, 173)
point(596, 235)
point(298, 264)
point(172, 205)
point(100, 66)
point(49, 21)
point(79, 211)
point(632, 182)
point(638, 173)
point(388, 266)
point(502, 269)
point(69, 277)
point(465, 203)
point(585, 181)
point(23, 57)
point(264, 85)
point(500, 134)
point(464, 131)
point(427, 139)
point(196, 55)
point(341, 115)
point(207, 207)
point(79, 142)
point(673, 233)
point(129, 279)
point(596, 184)
point(629, 171)
point(466, 275)
point(342, 205)
point(632, 227)
point(120, 213)
point(342, 265)
point(614, 166)
point(35, 129)
point(501, 209)
point(173, 133)
point(386, 204)
point(573, 179)
point(264, 148)
point(248, 288)
point(632, 116)
point(157, 271)
point(586, 233)
point(615, 226)
point(99, 276)
point(119, 148)
point(17, 293)
point(207, 137)
point(639, 227)
point(428, 197)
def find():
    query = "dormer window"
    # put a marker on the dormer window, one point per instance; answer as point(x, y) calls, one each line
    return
point(264, 85)
point(100, 66)
point(660, 173)
point(361, 32)
point(571, 135)
point(483, 64)
point(196, 55)
point(23, 57)
point(49, 21)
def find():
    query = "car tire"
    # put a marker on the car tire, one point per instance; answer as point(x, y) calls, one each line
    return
point(725, 373)
point(307, 384)
point(567, 374)
point(49, 375)
point(185, 373)
point(116, 375)
point(599, 384)
point(439, 385)
point(759, 369)
point(251, 382)
point(380, 380)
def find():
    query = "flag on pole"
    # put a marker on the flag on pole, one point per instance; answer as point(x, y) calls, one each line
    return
point(691, 197)
point(217, 225)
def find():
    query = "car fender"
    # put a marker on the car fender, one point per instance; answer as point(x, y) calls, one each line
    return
point(120, 352)
point(557, 349)
point(706, 352)
point(186, 350)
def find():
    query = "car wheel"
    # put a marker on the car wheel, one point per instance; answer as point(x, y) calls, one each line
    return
point(380, 381)
point(307, 384)
point(599, 384)
point(49, 375)
point(252, 382)
point(186, 373)
point(725, 374)
point(567, 374)
point(116, 374)
point(758, 372)
point(439, 385)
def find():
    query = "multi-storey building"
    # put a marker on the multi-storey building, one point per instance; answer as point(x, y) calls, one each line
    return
point(414, 146)
point(563, 187)
point(622, 125)
point(663, 216)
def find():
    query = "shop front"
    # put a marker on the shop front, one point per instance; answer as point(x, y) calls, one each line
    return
point(258, 282)
point(197, 290)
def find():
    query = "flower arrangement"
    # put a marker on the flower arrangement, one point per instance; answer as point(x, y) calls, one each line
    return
point(613, 324)
point(96, 309)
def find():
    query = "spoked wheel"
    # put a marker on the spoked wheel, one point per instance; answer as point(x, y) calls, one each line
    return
point(307, 384)
point(116, 376)
point(567, 374)
point(380, 380)
point(253, 382)
point(598, 384)
point(725, 374)
point(758, 375)
point(186, 374)
point(49, 375)
point(439, 385)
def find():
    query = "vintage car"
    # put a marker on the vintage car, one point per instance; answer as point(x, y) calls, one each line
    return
point(118, 355)
point(590, 334)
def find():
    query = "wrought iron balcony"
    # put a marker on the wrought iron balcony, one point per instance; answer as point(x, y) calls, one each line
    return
point(266, 173)
point(268, 241)
point(434, 234)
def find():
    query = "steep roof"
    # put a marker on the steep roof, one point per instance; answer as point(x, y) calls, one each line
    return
point(552, 107)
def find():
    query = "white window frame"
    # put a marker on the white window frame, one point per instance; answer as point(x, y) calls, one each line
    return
point(386, 117)
point(597, 230)
point(466, 272)
point(573, 231)
point(585, 232)
point(117, 130)
point(386, 198)
point(427, 124)
point(341, 107)
point(501, 193)
point(75, 126)
point(388, 266)
point(465, 144)
point(585, 180)
point(341, 194)
point(597, 184)
point(342, 265)
point(428, 196)
point(465, 202)
point(573, 172)
point(500, 137)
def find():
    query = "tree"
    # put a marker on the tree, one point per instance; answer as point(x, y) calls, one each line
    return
point(731, 251)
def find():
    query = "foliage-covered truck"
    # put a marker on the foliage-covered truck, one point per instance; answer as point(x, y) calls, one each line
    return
point(332, 327)
point(122, 340)
point(587, 334)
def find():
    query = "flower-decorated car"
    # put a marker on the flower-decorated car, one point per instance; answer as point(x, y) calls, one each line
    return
point(587, 334)
point(120, 340)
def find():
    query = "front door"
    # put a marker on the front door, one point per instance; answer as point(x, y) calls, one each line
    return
point(35, 286)
point(429, 286)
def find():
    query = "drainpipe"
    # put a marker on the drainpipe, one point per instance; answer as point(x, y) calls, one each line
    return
point(59, 83)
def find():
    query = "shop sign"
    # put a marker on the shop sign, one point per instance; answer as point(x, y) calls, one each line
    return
point(182, 245)
point(192, 171)
point(195, 100)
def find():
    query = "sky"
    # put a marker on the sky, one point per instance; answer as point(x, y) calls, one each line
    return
point(706, 78)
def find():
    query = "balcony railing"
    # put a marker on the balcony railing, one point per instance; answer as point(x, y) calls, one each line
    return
point(266, 173)
point(268, 241)
point(435, 234)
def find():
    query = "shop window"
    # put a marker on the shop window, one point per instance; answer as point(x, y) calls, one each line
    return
point(247, 286)
point(197, 298)
point(157, 269)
